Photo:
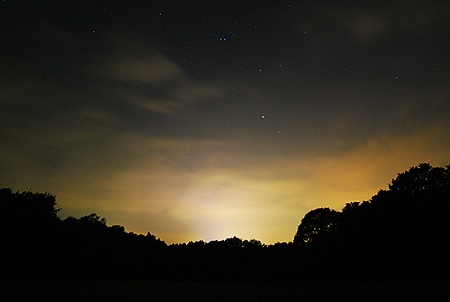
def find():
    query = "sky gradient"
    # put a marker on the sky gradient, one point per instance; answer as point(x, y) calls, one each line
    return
point(202, 120)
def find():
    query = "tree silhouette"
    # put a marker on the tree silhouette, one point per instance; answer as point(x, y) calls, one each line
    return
point(27, 209)
point(400, 225)
point(422, 178)
point(401, 233)
point(28, 231)
point(253, 244)
point(234, 242)
point(94, 219)
point(317, 225)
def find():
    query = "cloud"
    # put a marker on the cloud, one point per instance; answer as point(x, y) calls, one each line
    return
point(412, 17)
point(179, 97)
point(267, 201)
point(329, 24)
point(191, 189)
point(200, 188)
point(146, 78)
point(366, 27)
point(360, 173)
point(194, 187)
point(153, 69)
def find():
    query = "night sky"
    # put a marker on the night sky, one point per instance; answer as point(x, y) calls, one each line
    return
point(203, 120)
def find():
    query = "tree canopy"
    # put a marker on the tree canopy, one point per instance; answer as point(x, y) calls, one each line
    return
point(316, 225)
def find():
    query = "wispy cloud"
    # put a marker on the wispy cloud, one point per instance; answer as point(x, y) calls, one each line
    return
point(148, 79)
point(152, 69)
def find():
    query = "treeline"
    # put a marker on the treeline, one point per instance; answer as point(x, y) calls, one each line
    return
point(399, 234)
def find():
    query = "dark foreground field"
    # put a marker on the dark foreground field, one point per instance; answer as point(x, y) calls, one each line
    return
point(219, 291)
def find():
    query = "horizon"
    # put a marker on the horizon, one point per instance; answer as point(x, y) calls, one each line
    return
point(198, 240)
point(201, 121)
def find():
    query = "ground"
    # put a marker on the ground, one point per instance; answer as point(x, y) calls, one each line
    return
point(110, 291)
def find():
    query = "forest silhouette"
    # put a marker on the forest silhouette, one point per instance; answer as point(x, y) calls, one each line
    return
point(400, 234)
